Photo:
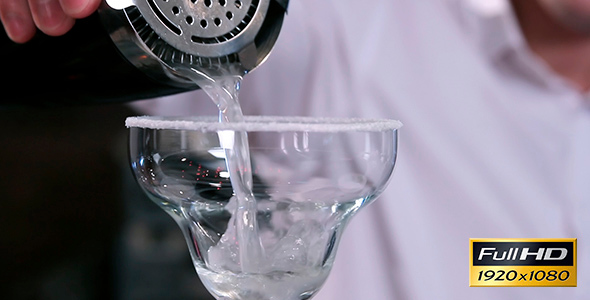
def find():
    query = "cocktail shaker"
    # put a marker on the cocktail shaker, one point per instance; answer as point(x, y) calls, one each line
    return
point(128, 50)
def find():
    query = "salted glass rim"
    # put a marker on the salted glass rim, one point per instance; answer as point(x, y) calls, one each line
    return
point(263, 123)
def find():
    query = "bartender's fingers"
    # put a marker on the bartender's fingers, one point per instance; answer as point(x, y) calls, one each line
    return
point(50, 17)
point(79, 8)
point(17, 20)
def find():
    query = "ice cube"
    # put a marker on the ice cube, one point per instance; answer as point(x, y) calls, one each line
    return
point(300, 248)
point(225, 255)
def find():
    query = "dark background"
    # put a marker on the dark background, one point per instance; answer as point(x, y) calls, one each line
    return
point(74, 225)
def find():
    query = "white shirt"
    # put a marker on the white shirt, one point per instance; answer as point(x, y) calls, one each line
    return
point(494, 144)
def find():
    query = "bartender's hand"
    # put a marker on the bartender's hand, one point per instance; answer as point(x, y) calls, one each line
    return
point(21, 18)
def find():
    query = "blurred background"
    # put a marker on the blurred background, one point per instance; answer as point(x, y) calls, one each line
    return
point(74, 224)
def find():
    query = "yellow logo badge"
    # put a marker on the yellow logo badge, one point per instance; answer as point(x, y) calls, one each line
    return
point(522, 262)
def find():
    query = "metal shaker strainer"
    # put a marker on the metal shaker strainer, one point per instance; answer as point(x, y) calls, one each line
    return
point(157, 34)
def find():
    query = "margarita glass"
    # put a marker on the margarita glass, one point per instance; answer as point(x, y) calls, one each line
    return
point(266, 227)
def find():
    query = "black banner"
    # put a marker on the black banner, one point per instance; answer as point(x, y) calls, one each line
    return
point(523, 254)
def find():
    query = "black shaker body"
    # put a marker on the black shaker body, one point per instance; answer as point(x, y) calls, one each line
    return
point(83, 66)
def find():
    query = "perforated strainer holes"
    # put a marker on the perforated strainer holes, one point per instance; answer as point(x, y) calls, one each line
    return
point(204, 23)
point(162, 16)
point(213, 21)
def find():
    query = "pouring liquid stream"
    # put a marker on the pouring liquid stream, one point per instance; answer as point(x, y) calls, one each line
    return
point(224, 90)
point(286, 253)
